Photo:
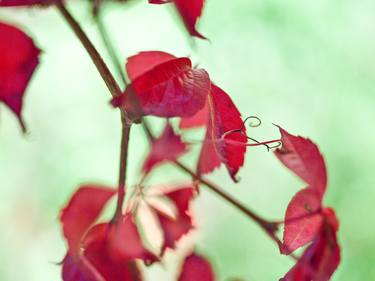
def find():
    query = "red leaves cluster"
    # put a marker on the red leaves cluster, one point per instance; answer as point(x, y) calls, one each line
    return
point(189, 10)
point(306, 220)
point(166, 86)
point(109, 251)
point(19, 58)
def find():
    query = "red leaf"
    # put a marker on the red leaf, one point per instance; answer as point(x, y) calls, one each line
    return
point(81, 212)
point(302, 156)
point(19, 58)
point(79, 269)
point(196, 268)
point(302, 220)
point(14, 3)
point(181, 224)
point(200, 119)
point(230, 150)
point(209, 159)
point(145, 61)
point(125, 243)
point(321, 258)
point(190, 11)
point(168, 147)
point(170, 89)
point(100, 255)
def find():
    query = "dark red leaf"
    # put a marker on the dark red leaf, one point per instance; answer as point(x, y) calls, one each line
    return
point(168, 147)
point(196, 268)
point(209, 158)
point(302, 220)
point(145, 61)
point(100, 255)
point(79, 269)
point(302, 156)
point(125, 243)
point(14, 3)
point(170, 89)
point(200, 119)
point(321, 258)
point(175, 227)
point(159, 1)
point(19, 58)
point(81, 212)
point(230, 148)
point(190, 11)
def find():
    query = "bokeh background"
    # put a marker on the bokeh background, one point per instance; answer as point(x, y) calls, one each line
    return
point(306, 65)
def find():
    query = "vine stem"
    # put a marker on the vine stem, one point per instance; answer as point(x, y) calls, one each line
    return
point(115, 91)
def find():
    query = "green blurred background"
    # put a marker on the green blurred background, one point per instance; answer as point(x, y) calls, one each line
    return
point(306, 65)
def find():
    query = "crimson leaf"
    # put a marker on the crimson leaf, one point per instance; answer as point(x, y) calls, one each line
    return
point(19, 58)
point(175, 227)
point(81, 212)
point(302, 220)
point(196, 268)
point(171, 88)
point(220, 144)
point(302, 157)
point(168, 147)
point(190, 11)
point(320, 260)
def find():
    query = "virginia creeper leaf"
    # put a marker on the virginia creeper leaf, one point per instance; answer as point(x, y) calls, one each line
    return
point(190, 11)
point(200, 119)
point(302, 157)
point(302, 220)
point(176, 227)
point(81, 212)
point(79, 269)
point(219, 145)
point(196, 268)
point(14, 3)
point(101, 256)
point(168, 147)
point(170, 89)
point(320, 260)
point(125, 243)
point(143, 62)
point(19, 58)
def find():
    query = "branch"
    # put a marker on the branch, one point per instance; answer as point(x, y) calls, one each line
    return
point(125, 134)
point(115, 91)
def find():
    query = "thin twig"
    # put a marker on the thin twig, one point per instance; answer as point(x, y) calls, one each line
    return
point(125, 134)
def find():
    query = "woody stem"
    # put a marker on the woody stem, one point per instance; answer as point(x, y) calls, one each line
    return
point(115, 91)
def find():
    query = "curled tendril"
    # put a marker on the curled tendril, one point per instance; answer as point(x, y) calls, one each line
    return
point(253, 125)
